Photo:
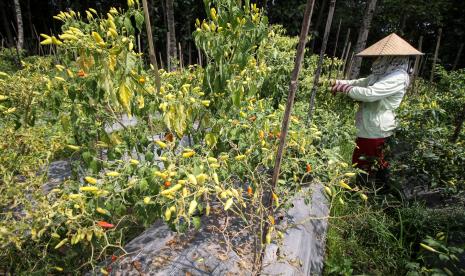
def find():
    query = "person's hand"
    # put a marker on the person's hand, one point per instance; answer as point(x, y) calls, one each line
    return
point(332, 82)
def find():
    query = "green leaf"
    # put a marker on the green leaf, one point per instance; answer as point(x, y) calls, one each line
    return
point(196, 222)
point(128, 25)
point(211, 139)
point(124, 97)
point(139, 20)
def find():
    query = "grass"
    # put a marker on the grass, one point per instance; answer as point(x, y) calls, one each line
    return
point(376, 240)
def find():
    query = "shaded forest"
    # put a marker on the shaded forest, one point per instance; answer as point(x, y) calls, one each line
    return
point(410, 19)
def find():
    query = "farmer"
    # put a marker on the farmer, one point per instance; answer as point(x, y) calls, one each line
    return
point(379, 94)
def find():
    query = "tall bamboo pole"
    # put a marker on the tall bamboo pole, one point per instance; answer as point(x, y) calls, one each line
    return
point(180, 56)
point(153, 59)
point(335, 49)
point(457, 58)
point(417, 63)
point(436, 52)
point(316, 77)
point(168, 47)
point(344, 65)
point(346, 42)
point(351, 63)
point(292, 89)
point(161, 60)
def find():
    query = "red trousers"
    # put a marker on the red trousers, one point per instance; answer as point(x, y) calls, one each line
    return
point(369, 154)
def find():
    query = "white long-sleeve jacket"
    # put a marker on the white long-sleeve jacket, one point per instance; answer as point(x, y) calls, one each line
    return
point(375, 117)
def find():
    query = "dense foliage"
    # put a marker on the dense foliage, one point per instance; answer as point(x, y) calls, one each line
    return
point(208, 136)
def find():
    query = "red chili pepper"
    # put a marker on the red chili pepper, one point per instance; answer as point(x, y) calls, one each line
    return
point(169, 137)
point(81, 73)
point(309, 168)
point(105, 224)
point(113, 258)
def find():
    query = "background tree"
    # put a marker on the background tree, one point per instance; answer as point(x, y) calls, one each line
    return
point(6, 36)
point(19, 24)
point(362, 38)
point(171, 34)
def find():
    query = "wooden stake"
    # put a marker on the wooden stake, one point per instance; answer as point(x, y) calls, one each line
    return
point(337, 37)
point(417, 63)
point(292, 89)
point(161, 60)
point(153, 59)
point(335, 49)
point(199, 57)
point(316, 77)
point(436, 52)
point(346, 42)
point(457, 58)
point(190, 53)
point(168, 57)
point(351, 62)
point(344, 65)
point(180, 55)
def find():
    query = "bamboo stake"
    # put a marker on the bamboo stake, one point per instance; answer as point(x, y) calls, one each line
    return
point(161, 60)
point(200, 57)
point(180, 55)
point(168, 57)
point(292, 89)
point(316, 77)
point(417, 63)
point(344, 65)
point(153, 59)
point(39, 46)
point(351, 62)
point(457, 58)
point(436, 52)
point(190, 53)
point(422, 64)
point(346, 42)
point(335, 49)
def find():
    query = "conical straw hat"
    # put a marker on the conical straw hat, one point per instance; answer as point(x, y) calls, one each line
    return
point(391, 45)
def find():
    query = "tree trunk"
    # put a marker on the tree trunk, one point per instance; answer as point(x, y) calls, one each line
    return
point(29, 21)
point(19, 22)
point(172, 34)
point(6, 26)
point(362, 38)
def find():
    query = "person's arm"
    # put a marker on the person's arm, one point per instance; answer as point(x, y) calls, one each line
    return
point(362, 82)
point(385, 87)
